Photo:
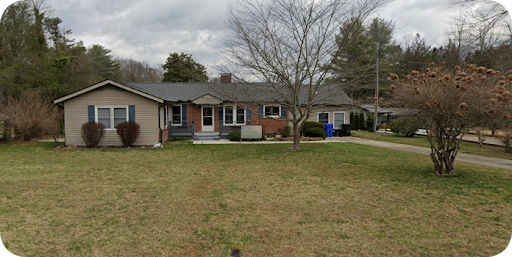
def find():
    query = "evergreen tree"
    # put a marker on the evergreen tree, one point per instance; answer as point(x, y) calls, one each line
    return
point(355, 68)
point(182, 68)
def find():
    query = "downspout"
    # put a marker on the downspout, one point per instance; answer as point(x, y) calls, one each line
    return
point(160, 139)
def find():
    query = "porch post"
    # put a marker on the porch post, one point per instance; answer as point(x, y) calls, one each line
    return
point(221, 120)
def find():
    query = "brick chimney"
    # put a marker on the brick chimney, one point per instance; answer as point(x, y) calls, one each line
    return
point(225, 78)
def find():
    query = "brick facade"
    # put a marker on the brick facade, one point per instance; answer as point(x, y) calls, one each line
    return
point(164, 135)
point(268, 124)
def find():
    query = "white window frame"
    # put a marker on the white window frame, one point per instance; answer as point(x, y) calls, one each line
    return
point(272, 105)
point(235, 108)
point(111, 107)
point(171, 119)
point(344, 118)
point(328, 116)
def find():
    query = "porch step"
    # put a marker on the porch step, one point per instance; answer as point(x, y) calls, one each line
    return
point(205, 136)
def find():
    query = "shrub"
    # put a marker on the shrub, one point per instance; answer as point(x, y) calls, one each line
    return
point(234, 136)
point(354, 119)
point(368, 124)
point(92, 133)
point(32, 114)
point(360, 122)
point(314, 132)
point(506, 138)
point(405, 127)
point(128, 132)
point(312, 124)
point(285, 132)
point(179, 139)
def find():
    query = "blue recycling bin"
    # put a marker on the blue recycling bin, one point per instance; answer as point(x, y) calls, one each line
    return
point(328, 129)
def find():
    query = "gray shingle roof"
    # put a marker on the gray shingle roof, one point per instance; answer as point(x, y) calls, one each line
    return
point(175, 92)
point(187, 92)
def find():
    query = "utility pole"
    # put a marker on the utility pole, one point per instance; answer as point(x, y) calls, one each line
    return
point(375, 113)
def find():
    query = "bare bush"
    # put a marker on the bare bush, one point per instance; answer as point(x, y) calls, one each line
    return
point(92, 133)
point(128, 132)
point(33, 115)
point(506, 138)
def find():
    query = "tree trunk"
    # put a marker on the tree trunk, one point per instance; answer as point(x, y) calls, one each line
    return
point(443, 152)
point(296, 137)
point(437, 159)
point(480, 135)
point(443, 161)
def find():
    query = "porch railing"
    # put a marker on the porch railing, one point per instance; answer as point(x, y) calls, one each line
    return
point(184, 129)
point(225, 130)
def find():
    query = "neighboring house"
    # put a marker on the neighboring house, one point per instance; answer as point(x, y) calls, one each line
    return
point(386, 115)
point(165, 110)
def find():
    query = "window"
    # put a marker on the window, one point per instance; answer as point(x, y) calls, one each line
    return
point(176, 115)
point(120, 115)
point(339, 118)
point(272, 110)
point(234, 115)
point(240, 116)
point(228, 115)
point(323, 117)
point(111, 116)
point(104, 117)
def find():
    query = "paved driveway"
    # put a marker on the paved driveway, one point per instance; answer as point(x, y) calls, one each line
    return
point(461, 157)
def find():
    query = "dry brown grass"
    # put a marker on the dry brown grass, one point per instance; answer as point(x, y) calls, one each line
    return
point(204, 200)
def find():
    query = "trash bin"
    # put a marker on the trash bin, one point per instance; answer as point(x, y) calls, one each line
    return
point(345, 128)
point(328, 129)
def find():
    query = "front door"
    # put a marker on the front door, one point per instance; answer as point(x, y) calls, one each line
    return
point(208, 118)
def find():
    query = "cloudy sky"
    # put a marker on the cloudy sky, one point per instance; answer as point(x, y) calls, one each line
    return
point(148, 30)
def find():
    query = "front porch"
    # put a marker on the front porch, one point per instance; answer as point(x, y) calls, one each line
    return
point(191, 129)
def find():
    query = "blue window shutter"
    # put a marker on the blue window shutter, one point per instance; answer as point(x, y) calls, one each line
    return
point(248, 121)
point(221, 114)
point(283, 111)
point(131, 113)
point(260, 111)
point(184, 115)
point(90, 109)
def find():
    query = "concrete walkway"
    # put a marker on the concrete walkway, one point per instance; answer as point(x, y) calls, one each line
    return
point(488, 140)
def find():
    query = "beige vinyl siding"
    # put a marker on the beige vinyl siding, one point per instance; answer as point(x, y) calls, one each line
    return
point(76, 113)
point(162, 120)
point(207, 100)
point(313, 116)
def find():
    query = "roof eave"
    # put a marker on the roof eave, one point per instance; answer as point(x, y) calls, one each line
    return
point(104, 83)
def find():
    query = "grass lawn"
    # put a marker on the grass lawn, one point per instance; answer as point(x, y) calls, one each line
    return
point(204, 200)
point(422, 141)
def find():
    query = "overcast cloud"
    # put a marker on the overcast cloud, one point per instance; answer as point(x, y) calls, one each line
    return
point(148, 30)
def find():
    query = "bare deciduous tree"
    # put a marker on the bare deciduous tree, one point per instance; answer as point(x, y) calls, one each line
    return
point(290, 45)
point(451, 101)
point(486, 13)
point(136, 71)
point(481, 33)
